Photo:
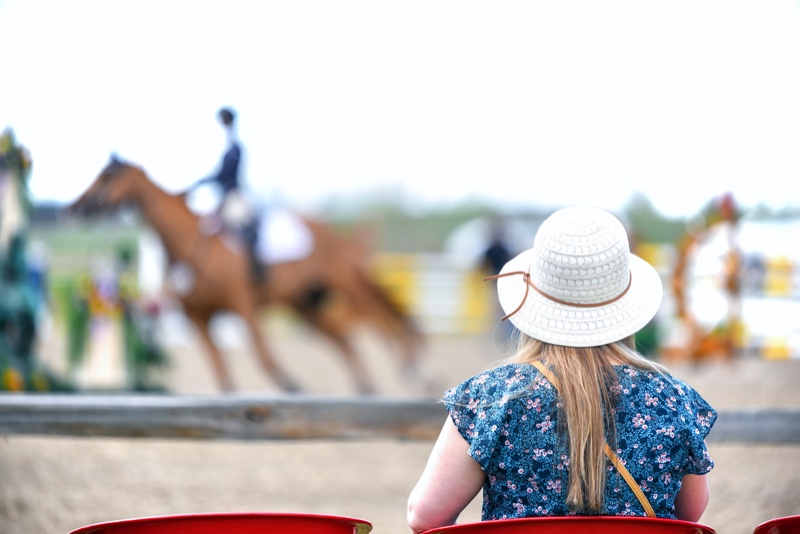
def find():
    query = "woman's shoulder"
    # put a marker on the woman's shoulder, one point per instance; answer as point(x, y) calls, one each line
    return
point(497, 384)
point(650, 378)
point(505, 374)
point(673, 391)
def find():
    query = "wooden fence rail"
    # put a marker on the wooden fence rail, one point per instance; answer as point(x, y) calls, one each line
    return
point(296, 417)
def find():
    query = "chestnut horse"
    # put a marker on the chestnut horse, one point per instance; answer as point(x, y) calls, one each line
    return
point(217, 277)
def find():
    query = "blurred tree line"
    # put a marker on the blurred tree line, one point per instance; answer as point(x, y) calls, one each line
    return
point(398, 230)
point(391, 225)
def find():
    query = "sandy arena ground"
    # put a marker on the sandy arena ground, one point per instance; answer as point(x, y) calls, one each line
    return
point(51, 485)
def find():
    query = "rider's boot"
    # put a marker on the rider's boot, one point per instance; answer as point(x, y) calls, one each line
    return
point(257, 269)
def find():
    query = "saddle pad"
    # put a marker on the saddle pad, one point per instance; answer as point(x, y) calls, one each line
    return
point(282, 237)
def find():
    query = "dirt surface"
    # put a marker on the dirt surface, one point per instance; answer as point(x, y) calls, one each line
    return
point(55, 484)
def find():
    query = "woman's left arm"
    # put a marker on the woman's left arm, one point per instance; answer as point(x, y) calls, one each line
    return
point(449, 482)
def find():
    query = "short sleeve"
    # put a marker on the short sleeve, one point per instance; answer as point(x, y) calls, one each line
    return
point(702, 417)
point(479, 407)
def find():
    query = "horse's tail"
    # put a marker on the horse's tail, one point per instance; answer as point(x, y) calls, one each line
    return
point(397, 324)
point(398, 315)
point(365, 299)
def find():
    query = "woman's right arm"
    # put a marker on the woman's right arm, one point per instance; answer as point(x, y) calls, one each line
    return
point(692, 498)
point(451, 479)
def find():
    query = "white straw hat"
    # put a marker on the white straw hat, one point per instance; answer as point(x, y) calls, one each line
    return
point(579, 285)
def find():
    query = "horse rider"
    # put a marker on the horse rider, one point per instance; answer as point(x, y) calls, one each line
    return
point(233, 211)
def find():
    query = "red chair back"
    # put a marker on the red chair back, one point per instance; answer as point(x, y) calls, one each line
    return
point(789, 524)
point(578, 525)
point(232, 523)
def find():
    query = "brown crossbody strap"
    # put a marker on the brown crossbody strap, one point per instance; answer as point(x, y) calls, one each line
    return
point(609, 453)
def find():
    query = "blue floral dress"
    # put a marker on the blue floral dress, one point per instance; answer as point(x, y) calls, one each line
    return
point(509, 417)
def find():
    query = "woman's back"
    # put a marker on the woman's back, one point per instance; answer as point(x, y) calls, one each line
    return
point(510, 418)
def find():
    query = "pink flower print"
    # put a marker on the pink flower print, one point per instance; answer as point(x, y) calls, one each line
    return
point(649, 400)
point(519, 507)
point(554, 485)
point(703, 419)
point(534, 404)
point(639, 421)
point(564, 463)
point(669, 431)
point(545, 425)
point(663, 460)
point(514, 379)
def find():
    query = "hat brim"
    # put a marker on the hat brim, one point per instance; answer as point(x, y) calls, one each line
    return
point(573, 326)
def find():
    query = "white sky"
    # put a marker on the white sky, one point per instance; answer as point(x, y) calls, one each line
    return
point(527, 102)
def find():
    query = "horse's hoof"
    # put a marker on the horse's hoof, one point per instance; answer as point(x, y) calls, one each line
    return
point(365, 391)
point(290, 386)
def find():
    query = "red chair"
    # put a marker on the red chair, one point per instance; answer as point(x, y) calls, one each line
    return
point(232, 523)
point(780, 525)
point(578, 525)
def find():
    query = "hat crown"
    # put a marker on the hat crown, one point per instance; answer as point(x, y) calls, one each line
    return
point(581, 256)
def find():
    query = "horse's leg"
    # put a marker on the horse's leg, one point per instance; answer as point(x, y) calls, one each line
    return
point(353, 363)
point(224, 380)
point(394, 325)
point(284, 380)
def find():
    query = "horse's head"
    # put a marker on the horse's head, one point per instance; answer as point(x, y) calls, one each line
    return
point(113, 187)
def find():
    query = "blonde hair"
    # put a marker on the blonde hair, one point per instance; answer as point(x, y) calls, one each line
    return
point(586, 380)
